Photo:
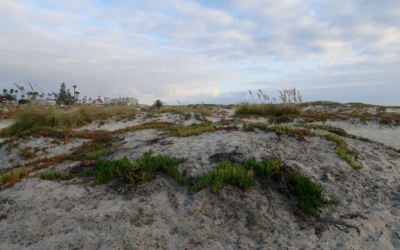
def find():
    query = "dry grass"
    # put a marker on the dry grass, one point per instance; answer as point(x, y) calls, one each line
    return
point(266, 106)
point(183, 109)
point(14, 176)
point(53, 117)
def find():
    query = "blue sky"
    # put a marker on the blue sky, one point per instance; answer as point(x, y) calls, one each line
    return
point(204, 51)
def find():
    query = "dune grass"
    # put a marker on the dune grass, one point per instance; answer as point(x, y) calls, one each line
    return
point(322, 103)
point(53, 117)
point(184, 109)
point(270, 107)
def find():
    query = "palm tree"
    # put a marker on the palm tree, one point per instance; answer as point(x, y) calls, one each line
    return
point(5, 91)
point(29, 94)
point(16, 94)
point(22, 96)
point(77, 95)
point(11, 92)
point(35, 94)
point(74, 93)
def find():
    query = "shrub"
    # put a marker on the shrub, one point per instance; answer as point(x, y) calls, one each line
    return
point(23, 101)
point(158, 104)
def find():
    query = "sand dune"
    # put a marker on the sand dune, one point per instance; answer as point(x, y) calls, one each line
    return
point(161, 214)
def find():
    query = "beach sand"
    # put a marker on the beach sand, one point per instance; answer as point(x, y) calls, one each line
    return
point(161, 214)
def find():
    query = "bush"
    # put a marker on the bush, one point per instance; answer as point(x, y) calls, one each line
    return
point(158, 104)
point(23, 101)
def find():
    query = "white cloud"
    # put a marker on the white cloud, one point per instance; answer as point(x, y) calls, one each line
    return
point(183, 49)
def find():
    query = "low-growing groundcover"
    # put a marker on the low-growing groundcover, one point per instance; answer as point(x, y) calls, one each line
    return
point(140, 171)
point(242, 175)
point(55, 175)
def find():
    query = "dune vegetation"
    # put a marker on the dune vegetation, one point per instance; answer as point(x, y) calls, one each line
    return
point(54, 117)
point(266, 106)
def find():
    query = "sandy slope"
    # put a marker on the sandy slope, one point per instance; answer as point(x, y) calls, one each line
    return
point(162, 214)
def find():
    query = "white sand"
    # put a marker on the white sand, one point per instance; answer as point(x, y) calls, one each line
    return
point(162, 214)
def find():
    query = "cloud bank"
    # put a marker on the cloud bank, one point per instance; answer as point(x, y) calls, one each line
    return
point(204, 51)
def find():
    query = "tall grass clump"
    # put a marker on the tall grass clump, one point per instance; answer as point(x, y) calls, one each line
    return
point(117, 111)
point(48, 117)
point(136, 172)
point(270, 107)
point(53, 117)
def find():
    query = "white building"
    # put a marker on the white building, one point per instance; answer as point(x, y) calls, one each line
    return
point(132, 100)
point(107, 100)
point(124, 101)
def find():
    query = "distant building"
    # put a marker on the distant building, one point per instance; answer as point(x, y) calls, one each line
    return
point(107, 100)
point(124, 101)
point(132, 100)
point(44, 102)
point(98, 102)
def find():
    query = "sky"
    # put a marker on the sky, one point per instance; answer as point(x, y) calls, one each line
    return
point(204, 51)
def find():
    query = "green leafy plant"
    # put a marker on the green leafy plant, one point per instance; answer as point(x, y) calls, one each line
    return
point(226, 173)
point(55, 175)
point(101, 123)
point(140, 171)
point(188, 131)
point(96, 154)
point(237, 174)
point(268, 169)
point(343, 151)
point(279, 129)
point(309, 193)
